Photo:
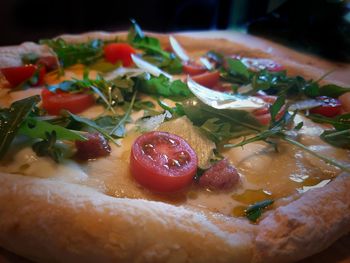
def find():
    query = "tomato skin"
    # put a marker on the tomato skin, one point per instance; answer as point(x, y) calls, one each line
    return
point(49, 62)
point(115, 52)
point(162, 162)
point(192, 68)
point(53, 103)
point(17, 75)
point(263, 114)
point(330, 107)
point(208, 79)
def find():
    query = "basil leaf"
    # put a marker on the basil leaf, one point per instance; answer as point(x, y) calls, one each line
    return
point(253, 212)
point(11, 120)
point(34, 128)
point(162, 86)
point(332, 90)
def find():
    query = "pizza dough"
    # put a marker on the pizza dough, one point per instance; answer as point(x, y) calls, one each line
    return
point(48, 220)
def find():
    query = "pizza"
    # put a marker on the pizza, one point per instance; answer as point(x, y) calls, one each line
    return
point(134, 147)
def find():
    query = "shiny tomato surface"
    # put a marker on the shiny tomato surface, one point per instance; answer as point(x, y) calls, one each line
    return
point(162, 162)
point(115, 52)
point(53, 103)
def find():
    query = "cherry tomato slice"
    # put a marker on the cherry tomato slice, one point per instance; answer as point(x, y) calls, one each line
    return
point(17, 75)
point(162, 162)
point(208, 79)
point(263, 114)
point(192, 68)
point(53, 103)
point(330, 107)
point(115, 52)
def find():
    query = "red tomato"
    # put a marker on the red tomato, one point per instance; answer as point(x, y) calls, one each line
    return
point(263, 114)
point(330, 107)
point(119, 52)
point(208, 79)
point(50, 62)
point(53, 103)
point(162, 162)
point(17, 75)
point(192, 68)
point(40, 78)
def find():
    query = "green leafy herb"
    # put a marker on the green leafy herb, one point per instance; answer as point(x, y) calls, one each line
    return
point(336, 138)
point(278, 129)
point(70, 54)
point(153, 50)
point(332, 90)
point(340, 122)
point(91, 124)
point(254, 212)
point(11, 120)
point(237, 68)
point(276, 107)
point(47, 147)
point(30, 58)
point(103, 66)
point(162, 86)
point(35, 128)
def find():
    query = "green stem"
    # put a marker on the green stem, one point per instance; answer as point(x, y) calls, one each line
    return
point(126, 115)
point(337, 133)
point(322, 157)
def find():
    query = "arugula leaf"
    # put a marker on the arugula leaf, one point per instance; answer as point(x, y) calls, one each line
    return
point(153, 50)
point(162, 86)
point(34, 128)
point(47, 147)
point(237, 68)
point(70, 54)
point(216, 130)
point(29, 58)
point(11, 120)
point(332, 90)
point(104, 66)
point(336, 138)
point(91, 124)
point(108, 123)
point(253, 212)
point(276, 107)
point(340, 122)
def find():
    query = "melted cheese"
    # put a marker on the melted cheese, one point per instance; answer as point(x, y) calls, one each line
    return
point(264, 173)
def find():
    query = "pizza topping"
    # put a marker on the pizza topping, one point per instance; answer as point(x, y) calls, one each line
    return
point(18, 75)
point(115, 52)
point(94, 147)
point(257, 64)
point(329, 107)
point(220, 176)
point(253, 212)
point(54, 103)
point(207, 79)
point(192, 68)
point(345, 101)
point(162, 162)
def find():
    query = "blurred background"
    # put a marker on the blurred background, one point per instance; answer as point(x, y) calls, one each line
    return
point(318, 26)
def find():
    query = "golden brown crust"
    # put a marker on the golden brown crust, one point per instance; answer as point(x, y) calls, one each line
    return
point(51, 221)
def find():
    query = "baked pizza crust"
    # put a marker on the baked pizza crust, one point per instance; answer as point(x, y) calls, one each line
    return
point(51, 221)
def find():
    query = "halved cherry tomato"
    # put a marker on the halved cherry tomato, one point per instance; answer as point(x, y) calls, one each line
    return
point(263, 114)
point(162, 162)
point(50, 62)
point(208, 79)
point(17, 75)
point(119, 52)
point(39, 78)
point(53, 103)
point(330, 107)
point(192, 68)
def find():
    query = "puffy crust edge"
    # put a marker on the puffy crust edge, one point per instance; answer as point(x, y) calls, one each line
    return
point(96, 227)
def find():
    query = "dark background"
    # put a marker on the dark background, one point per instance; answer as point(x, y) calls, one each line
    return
point(319, 26)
